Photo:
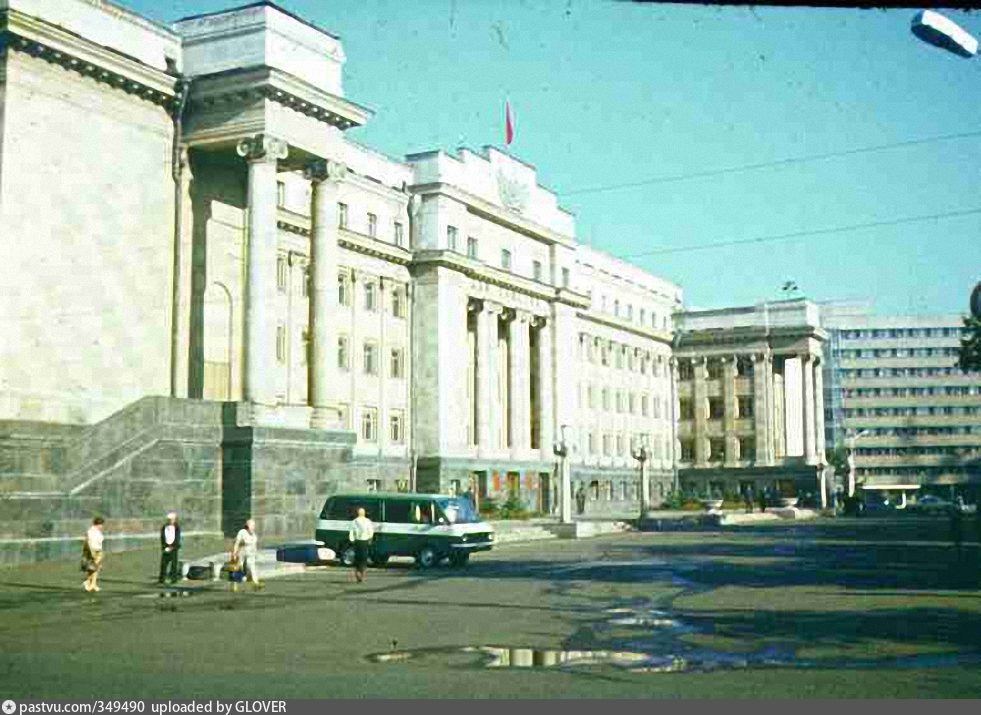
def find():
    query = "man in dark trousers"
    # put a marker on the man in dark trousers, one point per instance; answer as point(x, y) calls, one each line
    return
point(748, 499)
point(170, 544)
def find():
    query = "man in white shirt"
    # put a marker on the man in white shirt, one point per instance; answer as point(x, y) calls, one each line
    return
point(361, 533)
point(170, 544)
point(247, 548)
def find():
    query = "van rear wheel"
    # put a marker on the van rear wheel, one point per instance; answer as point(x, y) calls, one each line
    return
point(427, 557)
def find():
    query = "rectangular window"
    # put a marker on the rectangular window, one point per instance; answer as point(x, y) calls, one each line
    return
point(607, 445)
point(344, 412)
point(373, 485)
point(591, 443)
point(342, 215)
point(370, 359)
point(372, 225)
point(643, 406)
point(451, 238)
point(472, 247)
point(643, 316)
point(282, 273)
point(687, 450)
point(304, 346)
point(370, 302)
point(747, 448)
point(606, 399)
point(686, 408)
point(281, 343)
point(505, 259)
point(399, 234)
point(398, 302)
point(657, 407)
point(717, 450)
point(396, 423)
point(280, 194)
point(536, 270)
point(632, 403)
point(620, 444)
point(343, 293)
point(342, 352)
point(745, 407)
point(716, 408)
point(369, 424)
point(565, 277)
point(590, 397)
point(305, 288)
point(398, 363)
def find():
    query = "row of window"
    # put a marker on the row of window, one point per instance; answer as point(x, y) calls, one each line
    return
point(746, 449)
point(715, 408)
point(922, 431)
point(900, 372)
point(619, 445)
point(922, 410)
point(901, 333)
point(369, 358)
point(948, 390)
point(473, 253)
point(626, 312)
point(599, 351)
point(957, 451)
point(898, 352)
point(398, 230)
point(370, 290)
point(715, 368)
point(620, 401)
point(913, 471)
point(369, 424)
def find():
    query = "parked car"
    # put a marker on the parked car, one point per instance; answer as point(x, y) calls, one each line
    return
point(930, 504)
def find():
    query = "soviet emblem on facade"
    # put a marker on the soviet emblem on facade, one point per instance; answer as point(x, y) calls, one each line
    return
point(513, 192)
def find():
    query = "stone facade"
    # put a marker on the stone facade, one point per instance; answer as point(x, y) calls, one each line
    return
point(356, 321)
point(750, 399)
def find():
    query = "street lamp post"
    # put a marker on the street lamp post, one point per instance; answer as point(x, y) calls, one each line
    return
point(642, 453)
point(851, 460)
point(561, 450)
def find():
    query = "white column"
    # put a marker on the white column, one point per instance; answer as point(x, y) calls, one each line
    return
point(183, 250)
point(262, 152)
point(488, 420)
point(807, 368)
point(819, 409)
point(520, 385)
point(546, 426)
point(325, 177)
point(384, 366)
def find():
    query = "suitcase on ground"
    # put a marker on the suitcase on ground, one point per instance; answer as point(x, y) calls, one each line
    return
point(301, 554)
point(200, 573)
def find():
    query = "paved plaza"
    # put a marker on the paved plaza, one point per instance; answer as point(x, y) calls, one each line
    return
point(831, 608)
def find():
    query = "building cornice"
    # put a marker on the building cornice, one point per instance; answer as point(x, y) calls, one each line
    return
point(497, 214)
point(23, 33)
point(496, 276)
point(247, 85)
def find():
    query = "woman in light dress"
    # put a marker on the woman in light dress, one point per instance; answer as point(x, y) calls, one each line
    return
point(246, 548)
point(92, 555)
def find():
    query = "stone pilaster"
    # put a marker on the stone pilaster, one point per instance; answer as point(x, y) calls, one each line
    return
point(262, 152)
point(819, 409)
point(700, 407)
point(546, 419)
point(519, 376)
point(729, 413)
point(325, 177)
point(183, 277)
point(761, 399)
point(808, 404)
point(488, 405)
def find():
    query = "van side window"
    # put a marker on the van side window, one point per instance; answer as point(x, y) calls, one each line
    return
point(422, 512)
point(372, 509)
point(335, 508)
point(397, 511)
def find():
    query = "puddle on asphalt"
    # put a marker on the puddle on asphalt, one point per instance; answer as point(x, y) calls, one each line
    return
point(656, 648)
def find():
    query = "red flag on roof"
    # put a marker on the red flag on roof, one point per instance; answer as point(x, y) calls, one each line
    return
point(508, 124)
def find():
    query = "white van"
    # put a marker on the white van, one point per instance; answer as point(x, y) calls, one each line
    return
point(428, 527)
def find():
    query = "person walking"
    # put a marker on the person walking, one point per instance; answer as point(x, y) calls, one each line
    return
point(748, 499)
point(170, 544)
point(92, 555)
point(246, 549)
point(361, 533)
point(763, 493)
point(581, 501)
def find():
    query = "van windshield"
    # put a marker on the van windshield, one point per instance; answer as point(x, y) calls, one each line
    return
point(458, 510)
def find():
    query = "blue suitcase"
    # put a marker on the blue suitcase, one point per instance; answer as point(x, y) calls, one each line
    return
point(301, 554)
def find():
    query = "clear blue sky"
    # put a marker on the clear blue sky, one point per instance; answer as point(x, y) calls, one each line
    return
point(607, 93)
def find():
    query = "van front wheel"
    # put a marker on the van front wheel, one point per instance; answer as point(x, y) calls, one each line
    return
point(427, 557)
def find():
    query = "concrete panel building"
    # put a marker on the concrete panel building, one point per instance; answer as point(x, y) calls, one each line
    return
point(899, 402)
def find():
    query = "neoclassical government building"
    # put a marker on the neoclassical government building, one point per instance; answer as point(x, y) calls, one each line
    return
point(211, 295)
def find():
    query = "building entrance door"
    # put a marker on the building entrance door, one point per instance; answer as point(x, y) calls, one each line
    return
point(545, 493)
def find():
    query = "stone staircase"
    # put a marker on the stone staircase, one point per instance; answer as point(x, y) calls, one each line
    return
point(514, 531)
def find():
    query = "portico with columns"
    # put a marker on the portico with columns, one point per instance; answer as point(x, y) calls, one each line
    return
point(748, 389)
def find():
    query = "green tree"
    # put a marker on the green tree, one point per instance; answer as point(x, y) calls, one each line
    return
point(838, 458)
point(970, 357)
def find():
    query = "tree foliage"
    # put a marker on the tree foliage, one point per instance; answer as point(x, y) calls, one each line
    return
point(970, 354)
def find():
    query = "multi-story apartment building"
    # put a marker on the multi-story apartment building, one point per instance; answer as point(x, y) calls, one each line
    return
point(750, 399)
point(898, 400)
